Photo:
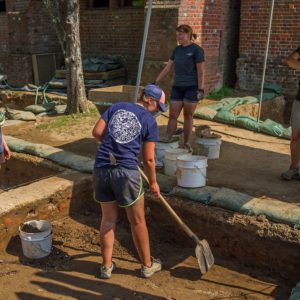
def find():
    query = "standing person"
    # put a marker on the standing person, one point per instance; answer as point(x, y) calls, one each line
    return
point(125, 130)
point(4, 150)
point(293, 61)
point(188, 86)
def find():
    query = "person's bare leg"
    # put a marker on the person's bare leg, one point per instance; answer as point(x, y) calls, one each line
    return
point(107, 231)
point(139, 230)
point(295, 148)
point(175, 109)
point(188, 111)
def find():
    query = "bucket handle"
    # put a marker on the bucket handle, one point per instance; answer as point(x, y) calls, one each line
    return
point(38, 246)
point(200, 169)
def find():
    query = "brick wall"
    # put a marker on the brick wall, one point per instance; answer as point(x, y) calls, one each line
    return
point(28, 30)
point(119, 32)
point(4, 41)
point(284, 39)
point(113, 32)
point(253, 35)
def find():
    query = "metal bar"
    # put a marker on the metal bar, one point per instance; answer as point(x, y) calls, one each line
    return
point(141, 62)
point(265, 61)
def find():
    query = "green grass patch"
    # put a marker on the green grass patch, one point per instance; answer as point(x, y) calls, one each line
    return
point(223, 92)
point(63, 121)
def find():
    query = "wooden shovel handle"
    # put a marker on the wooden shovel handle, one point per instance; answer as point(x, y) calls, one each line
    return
point(178, 220)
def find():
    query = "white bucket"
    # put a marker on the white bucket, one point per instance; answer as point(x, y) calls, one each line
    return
point(212, 144)
point(170, 160)
point(160, 149)
point(191, 171)
point(36, 244)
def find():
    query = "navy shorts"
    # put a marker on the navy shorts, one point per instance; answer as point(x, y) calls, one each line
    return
point(184, 93)
point(119, 184)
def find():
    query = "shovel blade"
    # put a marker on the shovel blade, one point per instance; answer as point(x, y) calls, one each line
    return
point(204, 256)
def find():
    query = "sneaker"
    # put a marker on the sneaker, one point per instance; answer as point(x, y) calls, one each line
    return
point(106, 272)
point(188, 147)
point(147, 272)
point(290, 174)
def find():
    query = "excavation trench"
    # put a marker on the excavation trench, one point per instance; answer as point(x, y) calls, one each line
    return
point(37, 189)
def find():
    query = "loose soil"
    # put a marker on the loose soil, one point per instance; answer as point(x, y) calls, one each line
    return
point(30, 229)
point(72, 269)
point(249, 162)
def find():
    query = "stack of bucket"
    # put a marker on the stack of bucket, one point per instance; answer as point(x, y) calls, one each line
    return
point(189, 169)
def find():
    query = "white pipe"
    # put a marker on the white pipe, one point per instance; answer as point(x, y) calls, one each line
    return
point(265, 62)
point(141, 62)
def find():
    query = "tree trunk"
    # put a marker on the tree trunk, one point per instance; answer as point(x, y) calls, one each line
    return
point(66, 21)
point(77, 101)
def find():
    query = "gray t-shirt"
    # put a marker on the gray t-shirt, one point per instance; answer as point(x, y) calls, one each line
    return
point(185, 60)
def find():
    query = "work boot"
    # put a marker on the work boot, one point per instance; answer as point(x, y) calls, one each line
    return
point(147, 272)
point(290, 174)
point(106, 272)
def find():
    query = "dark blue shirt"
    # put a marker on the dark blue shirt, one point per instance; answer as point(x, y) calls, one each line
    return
point(185, 64)
point(128, 126)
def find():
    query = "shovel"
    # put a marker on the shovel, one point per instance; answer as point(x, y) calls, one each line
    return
point(203, 253)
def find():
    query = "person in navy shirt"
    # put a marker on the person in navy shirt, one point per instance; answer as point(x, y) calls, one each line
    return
point(125, 130)
point(188, 87)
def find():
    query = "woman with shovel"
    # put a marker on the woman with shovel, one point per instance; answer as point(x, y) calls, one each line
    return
point(125, 130)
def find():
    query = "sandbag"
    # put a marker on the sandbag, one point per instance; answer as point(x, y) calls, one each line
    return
point(225, 116)
point(14, 114)
point(59, 156)
point(247, 122)
point(272, 128)
point(37, 109)
point(203, 194)
point(205, 113)
point(275, 210)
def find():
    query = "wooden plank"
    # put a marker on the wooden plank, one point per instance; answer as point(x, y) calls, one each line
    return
point(96, 75)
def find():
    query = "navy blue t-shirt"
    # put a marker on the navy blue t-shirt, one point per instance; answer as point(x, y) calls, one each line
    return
point(128, 126)
point(185, 60)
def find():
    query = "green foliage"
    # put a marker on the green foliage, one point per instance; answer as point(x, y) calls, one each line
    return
point(223, 92)
point(138, 3)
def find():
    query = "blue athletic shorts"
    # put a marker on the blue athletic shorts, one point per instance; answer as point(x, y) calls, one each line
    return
point(119, 184)
point(184, 93)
